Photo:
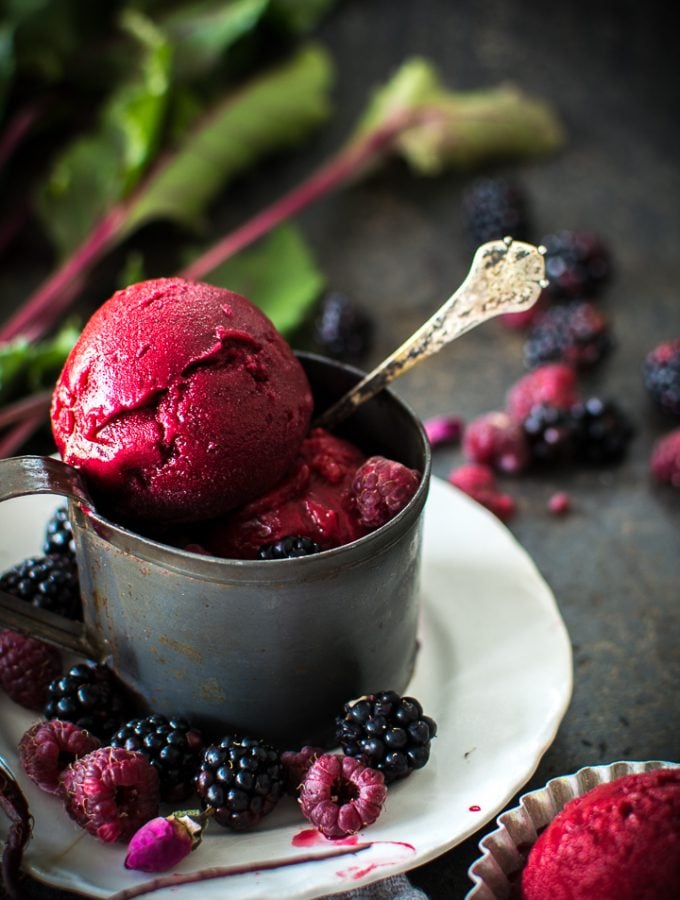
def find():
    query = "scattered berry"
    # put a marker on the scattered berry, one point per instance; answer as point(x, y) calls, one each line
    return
point(242, 779)
point(386, 732)
point(59, 533)
point(661, 375)
point(494, 208)
point(27, 666)
point(289, 547)
point(343, 330)
point(47, 748)
point(340, 795)
point(498, 441)
point(295, 765)
point(443, 430)
point(576, 333)
point(550, 434)
point(50, 582)
point(111, 792)
point(664, 463)
point(478, 481)
point(553, 383)
point(381, 488)
point(89, 696)
point(602, 431)
point(560, 503)
point(162, 843)
point(172, 747)
point(577, 264)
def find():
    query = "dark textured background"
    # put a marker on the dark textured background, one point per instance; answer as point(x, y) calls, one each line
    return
point(395, 244)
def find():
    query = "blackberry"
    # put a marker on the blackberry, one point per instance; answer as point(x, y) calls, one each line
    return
point(90, 697)
point(550, 433)
point(289, 548)
point(172, 747)
point(575, 333)
point(342, 329)
point(50, 582)
point(602, 431)
point(577, 264)
point(242, 779)
point(59, 534)
point(661, 376)
point(386, 732)
point(494, 208)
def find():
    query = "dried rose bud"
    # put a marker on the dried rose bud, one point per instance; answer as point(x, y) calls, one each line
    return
point(443, 430)
point(161, 844)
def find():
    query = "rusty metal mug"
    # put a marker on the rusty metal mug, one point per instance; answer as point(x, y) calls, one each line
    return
point(268, 648)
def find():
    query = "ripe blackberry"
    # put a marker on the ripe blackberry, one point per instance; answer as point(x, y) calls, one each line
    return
point(381, 488)
point(59, 534)
point(289, 548)
point(550, 433)
point(577, 264)
point(494, 208)
point(89, 696)
point(50, 582)
point(386, 732)
point(575, 333)
point(27, 666)
point(242, 779)
point(47, 748)
point(602, 431)
point(172, 747)
point(661, 376)
point(343, 330)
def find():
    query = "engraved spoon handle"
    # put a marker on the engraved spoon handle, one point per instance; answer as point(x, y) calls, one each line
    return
point(505, 276)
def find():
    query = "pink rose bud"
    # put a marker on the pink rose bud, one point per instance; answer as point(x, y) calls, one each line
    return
point(162, 843)
point(443, 430)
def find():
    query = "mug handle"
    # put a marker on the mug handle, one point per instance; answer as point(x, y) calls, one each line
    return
point(19, 476)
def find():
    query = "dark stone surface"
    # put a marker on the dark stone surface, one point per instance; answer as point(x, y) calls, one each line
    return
point(395, 243)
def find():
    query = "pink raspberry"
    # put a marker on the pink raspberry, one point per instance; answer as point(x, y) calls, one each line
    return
point(381, 488)
point(111, 792)
point(340, 795)
point(27, 666)
point(664, 463)
point(498, 441)
point(296, 764)
point(47, 748)
point(443, 430)
point(479, 482)
point(554, 384)
point(560, 503)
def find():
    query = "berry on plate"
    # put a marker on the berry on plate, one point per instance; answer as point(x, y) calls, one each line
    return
point(48, 748)
point(27, 667)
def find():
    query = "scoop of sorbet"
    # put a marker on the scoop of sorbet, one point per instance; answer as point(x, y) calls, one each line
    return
point(620, 840)
point(179, 402)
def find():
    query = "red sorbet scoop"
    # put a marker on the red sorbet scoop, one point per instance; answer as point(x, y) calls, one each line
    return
point(179, 402)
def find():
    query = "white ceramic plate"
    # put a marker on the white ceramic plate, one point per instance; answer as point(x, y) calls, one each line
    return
point(494, 670)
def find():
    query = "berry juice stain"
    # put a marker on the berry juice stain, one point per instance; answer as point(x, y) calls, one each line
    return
point(475, 808)
point(310, 837)
point(358, 872)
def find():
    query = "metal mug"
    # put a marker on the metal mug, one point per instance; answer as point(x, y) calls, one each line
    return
point(266, 648)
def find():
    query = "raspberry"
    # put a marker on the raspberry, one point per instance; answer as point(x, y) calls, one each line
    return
point(521, 321)
point(296, 764)
point(443, 430)
point(661, 376)
point(381, 488)
point(550, 433)
point(554, 384)
point(577, 264)
point(560, 503)
point(602, 431)
point(664, 462)
point(477, 480)
point(50, 582)
point(498, 441)
point(47, 748)
point(493, 208)
point(576, 333)
point(340, 795)
point(27, 666)
point(289, 547)
point(59, 534)
point(111, 792)
point(343, 330)
point(242, 779)
point(387, 732)
point(89, 696)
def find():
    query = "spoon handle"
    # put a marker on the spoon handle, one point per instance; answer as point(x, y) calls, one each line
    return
point(505, 276)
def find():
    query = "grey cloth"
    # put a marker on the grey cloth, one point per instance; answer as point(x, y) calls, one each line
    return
point(398, 887)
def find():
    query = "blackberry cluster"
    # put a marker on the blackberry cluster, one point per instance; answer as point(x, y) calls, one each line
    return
point(386, 732)
point(50, 582)
point(577, 264)
point(549, 432)
point(575, 333)
point(343, 330)
point(602, 431)
point(90, 697)
point(59, 534)
point(172, 747)
point(494, 208)
point(661, 376)
point(289, 547)
point(242, 779)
